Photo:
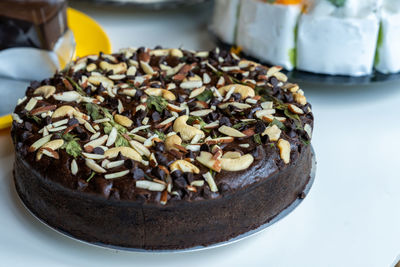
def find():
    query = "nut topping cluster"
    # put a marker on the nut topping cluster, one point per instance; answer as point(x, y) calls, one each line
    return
point(165, 123)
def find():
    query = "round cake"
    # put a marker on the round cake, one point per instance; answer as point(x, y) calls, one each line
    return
point(161, 148)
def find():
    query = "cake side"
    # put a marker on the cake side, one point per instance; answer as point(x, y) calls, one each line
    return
point(135, 224)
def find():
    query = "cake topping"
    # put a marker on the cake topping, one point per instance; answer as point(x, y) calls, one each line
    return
point(167, 121)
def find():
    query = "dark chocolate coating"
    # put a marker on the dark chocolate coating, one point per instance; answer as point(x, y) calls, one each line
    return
point(181, 224)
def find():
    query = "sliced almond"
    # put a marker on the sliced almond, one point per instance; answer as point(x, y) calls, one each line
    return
point(237, 105)
point(308, 129)
point(92, 156)
point(116, 174)
point(220, 140)
point(295, 109)
point(264, 112)
point(151, 186)
point(211, 182)
point(94, 166)
point(112, 137)
point(284, 147)
point(201, 113)
point(39, 143)
point(229, 131)
point(31, 104)
point(123, 120)
point(197, 92)
point(141, 149)
point(74, 167)
point(70, 96)
point(267, 105)
point(147, 68)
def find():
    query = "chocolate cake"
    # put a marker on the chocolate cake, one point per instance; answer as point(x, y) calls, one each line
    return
point(32, 23)
point(162, 148)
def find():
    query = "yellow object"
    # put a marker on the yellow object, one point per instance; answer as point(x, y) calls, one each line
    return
point(90, 39)
point(288, 2)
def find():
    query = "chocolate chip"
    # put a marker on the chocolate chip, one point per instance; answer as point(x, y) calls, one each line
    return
point(98, 150)
point(260, 127)
point(274, 81)
point(180, 182)
point(81, 184)
point(225, 121)
point(73, 121)
point(259, 152)
point(155, 116)
point(190, 154)
point(129, 164)
point(237, 96)
point(159, 173)
point(189, 177)
point(181, 98)
point(159, 146)
point(120, 156)
point(205, 147)
point(137, 173)
point(83, 136)
point(265, 139)
point(161, 159)
point(176, 174)
point(28, 126)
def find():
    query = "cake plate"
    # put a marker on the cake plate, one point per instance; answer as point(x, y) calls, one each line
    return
point(253, 232)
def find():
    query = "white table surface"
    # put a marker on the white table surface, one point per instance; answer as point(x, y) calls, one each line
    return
point(350, 218)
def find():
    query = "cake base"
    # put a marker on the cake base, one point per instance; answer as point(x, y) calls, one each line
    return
point(238, 238)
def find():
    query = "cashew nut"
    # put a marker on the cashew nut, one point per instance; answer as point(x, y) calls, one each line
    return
point(146, 68)
point(295, 109)
point(123, 120)
point(125, 151)
point(69, 111)
point(244, 90)
point(231, 155)
point(161, 92)
point(273, 133)
point(184, 166)
point(165, 52)
point(116, 68)
point(97, 80)
point(187, 132)
point(284, 147)
point(237, 164)
point(171, 141)
point(46, 91)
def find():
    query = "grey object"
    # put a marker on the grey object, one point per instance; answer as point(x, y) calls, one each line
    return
point(280, 216)
point(147, 4)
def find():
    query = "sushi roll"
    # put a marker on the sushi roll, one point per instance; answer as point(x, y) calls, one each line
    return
point(267, 30)
point(338, 37)
point(225, 19)
point(388, 52)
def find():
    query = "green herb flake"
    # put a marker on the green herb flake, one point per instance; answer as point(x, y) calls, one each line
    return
point(156, 102)
point(242, 124)
point(71, 145)
point(93, 111)
point(278, 123)
point(121, 141)
point(161, 135)
point(92, 174)
point(77, 87)
point(257, 139)
point(35, 118)
point(205, 96)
